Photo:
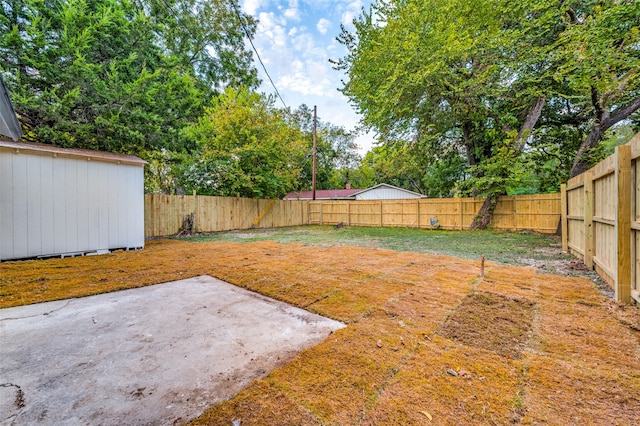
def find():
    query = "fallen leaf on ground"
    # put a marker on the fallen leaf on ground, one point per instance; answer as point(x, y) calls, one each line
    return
point(427, 414)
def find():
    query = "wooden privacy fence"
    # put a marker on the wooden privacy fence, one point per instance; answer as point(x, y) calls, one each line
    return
point(164, 214)
point(601, 219)
point(540, 213)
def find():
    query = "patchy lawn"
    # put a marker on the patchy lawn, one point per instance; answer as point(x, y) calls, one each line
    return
point(514, 248)
point(428, 341)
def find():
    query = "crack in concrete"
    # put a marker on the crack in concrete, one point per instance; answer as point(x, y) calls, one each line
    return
point(42, 314)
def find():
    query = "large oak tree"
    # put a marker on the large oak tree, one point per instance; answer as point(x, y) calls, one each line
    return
point(493, 79)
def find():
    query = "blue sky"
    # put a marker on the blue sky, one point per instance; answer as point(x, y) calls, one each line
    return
point(296, 39)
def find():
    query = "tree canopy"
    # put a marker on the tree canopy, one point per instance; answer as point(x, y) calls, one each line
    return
point(119, 75)
point(246, 148)
point(171, 81)
point(504, 84)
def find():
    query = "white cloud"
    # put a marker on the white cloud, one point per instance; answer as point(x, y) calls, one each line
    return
point(272, 27)
point(307, 78)
point(352, 10)
point(250, 7)
point(269, 20)
point(293, 14)
point(295, 39)
point(323, 25)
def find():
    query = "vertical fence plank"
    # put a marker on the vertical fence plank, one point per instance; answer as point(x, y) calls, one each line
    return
point(623, 224)
point(164, 213)
point(588, 220)
point(564, 223)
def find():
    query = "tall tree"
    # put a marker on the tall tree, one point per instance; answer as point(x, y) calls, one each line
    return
point(246, 147)
point(209, 37)
point(118, 75)
point(416, 73)
point(600, 49)
point(484, 75)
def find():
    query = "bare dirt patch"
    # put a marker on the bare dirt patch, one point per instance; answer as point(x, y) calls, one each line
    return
point(493, 322)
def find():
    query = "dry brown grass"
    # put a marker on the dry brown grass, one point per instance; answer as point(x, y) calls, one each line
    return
point(573, 356)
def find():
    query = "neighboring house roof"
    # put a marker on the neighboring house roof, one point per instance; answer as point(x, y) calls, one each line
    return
point(350, 194)
point(43, 149)
point(9, 125)
point(387, 186)
point(323, 194)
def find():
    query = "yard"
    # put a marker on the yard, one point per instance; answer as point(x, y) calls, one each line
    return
point(428, 341)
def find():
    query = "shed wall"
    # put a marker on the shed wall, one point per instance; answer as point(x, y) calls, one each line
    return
point(56, 205)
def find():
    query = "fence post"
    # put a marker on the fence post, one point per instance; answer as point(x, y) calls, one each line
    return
point(348, 213)
point(515, 213)
point(589, 239)
point(460, 209)
point(381, 221)
point(623, 224)
point(195, 211)
point(564, 223)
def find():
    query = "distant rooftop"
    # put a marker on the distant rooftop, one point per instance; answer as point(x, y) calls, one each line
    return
point(323, 194)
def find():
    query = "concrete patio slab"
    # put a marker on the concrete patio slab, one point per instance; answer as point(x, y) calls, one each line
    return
point(153, 355)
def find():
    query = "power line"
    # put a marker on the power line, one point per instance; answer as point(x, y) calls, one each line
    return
point(246, 32)
point(233, 4)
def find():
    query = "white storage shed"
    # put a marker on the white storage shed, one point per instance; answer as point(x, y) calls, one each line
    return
point(385, 191)
point(63, 202)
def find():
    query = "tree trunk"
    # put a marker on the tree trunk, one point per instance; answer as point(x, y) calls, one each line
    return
point(603, 122)
point(483, 218)
point(580, 163)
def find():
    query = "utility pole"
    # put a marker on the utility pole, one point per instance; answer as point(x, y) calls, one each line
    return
point(313, 172)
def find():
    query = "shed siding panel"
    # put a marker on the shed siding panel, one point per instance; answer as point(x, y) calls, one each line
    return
point(83, 206)
point(93, 200)
point(6, 206)
point(59, 216)
point(56, 205)
point(34, 211)
point(20, 204)
point(135, 202)
point(47, 198)
point(102, 203)
point(71, 206)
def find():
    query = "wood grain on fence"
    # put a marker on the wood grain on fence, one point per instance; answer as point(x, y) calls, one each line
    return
point(164, 213)
point(603, 219)
point(539, 213)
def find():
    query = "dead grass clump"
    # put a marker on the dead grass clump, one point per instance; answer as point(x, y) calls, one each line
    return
point(493, 322)
point(262, 403)
point(574, 392)
point(454, 384)
point(572, 331)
